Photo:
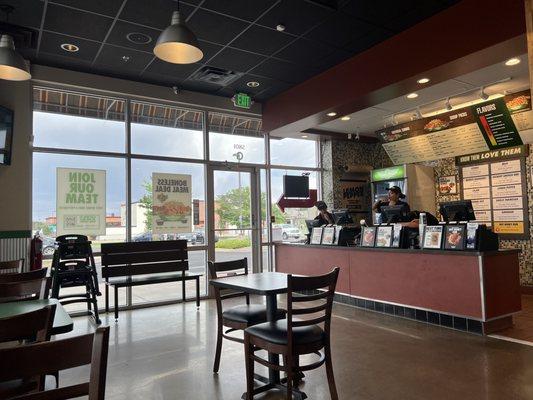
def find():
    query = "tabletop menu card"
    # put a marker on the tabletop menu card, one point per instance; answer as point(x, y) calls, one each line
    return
point(491, 125)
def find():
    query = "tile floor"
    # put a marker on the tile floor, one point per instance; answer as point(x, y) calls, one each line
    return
point(167, 352)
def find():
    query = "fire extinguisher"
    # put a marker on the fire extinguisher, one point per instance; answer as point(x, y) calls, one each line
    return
point(36, 253)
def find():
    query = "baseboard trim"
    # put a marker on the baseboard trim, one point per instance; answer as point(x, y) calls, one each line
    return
point(526, 289)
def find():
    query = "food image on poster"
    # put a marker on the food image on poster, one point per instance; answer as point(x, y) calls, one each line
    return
point(481, 204)
point(171, 203)
point(476, 182)
point(454, 237)
point(368, 236)
point(316, 235)
point(507, 178)
point(502, 203)
point(507, 191)
point(475, 170)
point(384, 236)
point(328, 235)
point(505, 166)
point(432, 237)
point(447, 185)
point(478, 193)
point(508, 215)
point(396, 235)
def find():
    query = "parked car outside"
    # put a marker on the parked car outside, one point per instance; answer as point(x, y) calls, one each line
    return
point(143, 237)
point(49, 245)
point(289, 232)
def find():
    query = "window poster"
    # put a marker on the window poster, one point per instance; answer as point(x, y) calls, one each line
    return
point(171, 203)
point(447, 185)
point(81, 201)
point(501, 202)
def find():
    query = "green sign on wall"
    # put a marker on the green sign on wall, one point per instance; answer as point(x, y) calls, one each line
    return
point(387, 174)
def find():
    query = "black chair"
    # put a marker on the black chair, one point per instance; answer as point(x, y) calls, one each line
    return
point(237, 317)
point(73, 266)
point(294, 337)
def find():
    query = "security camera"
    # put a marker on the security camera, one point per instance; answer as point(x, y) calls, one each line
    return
point(176, 89)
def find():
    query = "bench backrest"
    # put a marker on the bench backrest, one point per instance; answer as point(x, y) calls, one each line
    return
point(140, 258)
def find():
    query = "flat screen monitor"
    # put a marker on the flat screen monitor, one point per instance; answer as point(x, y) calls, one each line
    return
point(312, 223)
point(461, 210)
point(6, 135)
point(342, 217)
point(398, 213)
point(296, 186)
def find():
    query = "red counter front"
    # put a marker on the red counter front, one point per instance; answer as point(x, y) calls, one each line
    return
point(481, 286)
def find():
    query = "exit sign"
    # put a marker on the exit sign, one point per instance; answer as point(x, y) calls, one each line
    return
point(242, 100)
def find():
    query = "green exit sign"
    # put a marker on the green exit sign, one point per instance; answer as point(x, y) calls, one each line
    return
point(242, 100)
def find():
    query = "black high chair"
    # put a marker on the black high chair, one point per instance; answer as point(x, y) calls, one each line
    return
point(73, 265)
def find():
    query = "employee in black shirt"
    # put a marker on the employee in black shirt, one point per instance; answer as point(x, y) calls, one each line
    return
point(324, 216)
point(395, 196)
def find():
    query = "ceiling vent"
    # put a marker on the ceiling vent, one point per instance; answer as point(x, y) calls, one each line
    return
point(215, 76)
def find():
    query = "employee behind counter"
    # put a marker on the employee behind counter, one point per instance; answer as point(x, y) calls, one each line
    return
point(394, 199)
point(324, 216)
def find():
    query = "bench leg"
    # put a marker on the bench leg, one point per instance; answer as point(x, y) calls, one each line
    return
point(183, 290)
point(116, 302)
point(197, 292)
point(107, 298)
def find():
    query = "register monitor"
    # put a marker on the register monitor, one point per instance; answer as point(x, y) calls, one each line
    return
point(461, 210)
point(397, 213)
point(342, 217)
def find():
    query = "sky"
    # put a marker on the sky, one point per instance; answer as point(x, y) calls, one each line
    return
point(80, 133)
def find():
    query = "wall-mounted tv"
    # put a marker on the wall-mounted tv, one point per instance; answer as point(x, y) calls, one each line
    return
point(296, 186)
point(6, 135)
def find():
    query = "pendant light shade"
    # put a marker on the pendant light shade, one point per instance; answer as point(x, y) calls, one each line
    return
point(12, 65)
point(177, 44)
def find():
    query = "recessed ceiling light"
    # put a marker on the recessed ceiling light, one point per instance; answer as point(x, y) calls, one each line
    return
point(331, 114)
point(423, 80)
point(126, 58)
point(280, 27)
point(138, 38)
point(412, 95)
point(512, 61)
point(252, 84)
point(345, 118)
point(305, 136)
point(71, 48)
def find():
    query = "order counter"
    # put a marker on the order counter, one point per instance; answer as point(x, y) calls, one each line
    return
point(466, 290)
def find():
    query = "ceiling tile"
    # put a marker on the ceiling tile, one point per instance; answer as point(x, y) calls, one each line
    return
point(215, 27)
point(340, 29)
point(174, 72)
point(51, 43)
point(112, 57)
point(272, 91)
point(76, 23)
point(264, 83)
point(333, 59)
point(236, 60)
point(262, 40)
point(371, 39)
point(407, 20)
point(245, 9)
point(162, 80)
point(379, 13)
point(106, 7)
point(200, 87)
point(305, 52)
point(283, 71)
point(297, 15)
point(26, 12)
point(153, 13)
point(209, 50)
point(54, 60)
point(118, 36)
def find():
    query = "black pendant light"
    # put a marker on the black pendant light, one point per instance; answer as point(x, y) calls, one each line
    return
point(12, 65)
point(177, 44)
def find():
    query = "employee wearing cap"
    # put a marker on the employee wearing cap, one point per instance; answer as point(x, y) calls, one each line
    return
point(324, 216)
point(395, 196)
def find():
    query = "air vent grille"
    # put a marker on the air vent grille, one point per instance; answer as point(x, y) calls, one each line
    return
point(216, 76)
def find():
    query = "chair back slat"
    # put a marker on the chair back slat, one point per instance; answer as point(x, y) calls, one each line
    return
point(23, 276)
point(25, 290)
point(35, 325)
point(234, 268)
point(42, 358)
point(322, 312)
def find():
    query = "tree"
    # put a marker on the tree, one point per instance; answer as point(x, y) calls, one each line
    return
point(146, 203)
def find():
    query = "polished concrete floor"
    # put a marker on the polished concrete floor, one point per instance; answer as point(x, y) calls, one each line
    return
point(522, 322)
point(167, 353)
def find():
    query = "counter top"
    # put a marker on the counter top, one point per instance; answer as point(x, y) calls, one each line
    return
point(404, 251)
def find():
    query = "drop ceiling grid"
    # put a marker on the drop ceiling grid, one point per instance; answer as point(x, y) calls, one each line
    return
point(234, 33)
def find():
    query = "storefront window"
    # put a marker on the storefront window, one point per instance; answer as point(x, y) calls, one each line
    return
point(293, 152)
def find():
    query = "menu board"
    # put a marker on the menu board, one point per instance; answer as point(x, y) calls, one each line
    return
point(491, 125)
point(495, 182)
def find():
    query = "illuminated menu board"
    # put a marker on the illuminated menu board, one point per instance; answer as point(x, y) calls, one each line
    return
point(495, 124)
point(495, 182)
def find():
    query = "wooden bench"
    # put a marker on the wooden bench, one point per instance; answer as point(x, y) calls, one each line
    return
point(146, 263)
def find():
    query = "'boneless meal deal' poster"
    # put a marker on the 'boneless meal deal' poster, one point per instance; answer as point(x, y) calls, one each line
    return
point(171, 203)
point(80, 203)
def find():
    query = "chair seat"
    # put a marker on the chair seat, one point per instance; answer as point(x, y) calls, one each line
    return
point(276, 332)
point(249, 314)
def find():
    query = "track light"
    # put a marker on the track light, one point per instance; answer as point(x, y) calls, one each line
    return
point(12, 65)
point(482, 94)
point(177, 44)
point(448, 105)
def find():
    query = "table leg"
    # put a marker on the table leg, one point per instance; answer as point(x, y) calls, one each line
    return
point(271, 308)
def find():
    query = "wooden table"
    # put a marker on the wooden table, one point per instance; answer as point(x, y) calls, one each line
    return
point(268, 284)
point(62, 321)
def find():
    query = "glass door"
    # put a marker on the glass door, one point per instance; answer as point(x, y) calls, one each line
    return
point(234, 215)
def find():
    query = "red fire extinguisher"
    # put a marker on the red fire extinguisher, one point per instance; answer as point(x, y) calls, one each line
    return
point(36, 253)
